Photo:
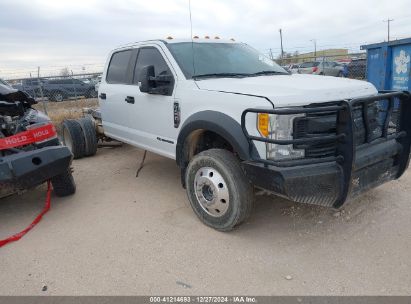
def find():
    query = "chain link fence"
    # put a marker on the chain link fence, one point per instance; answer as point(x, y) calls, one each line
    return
point(59, 88)
point(346, 65)
point(80, 89)
point(69, 86)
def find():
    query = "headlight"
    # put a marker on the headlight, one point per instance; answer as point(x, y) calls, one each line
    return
point(279, 127)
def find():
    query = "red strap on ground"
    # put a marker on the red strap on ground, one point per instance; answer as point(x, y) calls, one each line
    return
point(19, 235)
point(28, 137)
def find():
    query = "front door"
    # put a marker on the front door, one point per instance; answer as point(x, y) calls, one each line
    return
point(152, 114)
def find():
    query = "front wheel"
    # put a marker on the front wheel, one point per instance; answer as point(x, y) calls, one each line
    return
point(63, 184)
point(218, 190)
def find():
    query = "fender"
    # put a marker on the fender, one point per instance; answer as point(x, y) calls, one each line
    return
point(219, 123)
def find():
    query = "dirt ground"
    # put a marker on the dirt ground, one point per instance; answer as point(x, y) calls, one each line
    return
point(121, 235)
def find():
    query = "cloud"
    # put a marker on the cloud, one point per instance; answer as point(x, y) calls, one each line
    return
point(80, 33)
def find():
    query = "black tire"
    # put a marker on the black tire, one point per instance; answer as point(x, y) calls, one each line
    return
point(57, 96)
point(90, 137)
point(239, 191)
point(73, 138)
point(63, 184)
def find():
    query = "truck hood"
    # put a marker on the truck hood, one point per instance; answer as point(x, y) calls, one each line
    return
point(292, 90)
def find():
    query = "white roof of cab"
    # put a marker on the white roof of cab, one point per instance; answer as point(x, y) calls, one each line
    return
point(171, 41)
point(199, 40)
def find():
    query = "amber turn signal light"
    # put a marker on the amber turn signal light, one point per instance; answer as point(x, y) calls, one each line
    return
point(263, 124)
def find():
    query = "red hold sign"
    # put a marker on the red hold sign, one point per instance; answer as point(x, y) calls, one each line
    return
point(28, 137)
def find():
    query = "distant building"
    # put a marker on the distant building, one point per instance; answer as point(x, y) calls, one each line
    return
point(329, 55)
point(338, 55)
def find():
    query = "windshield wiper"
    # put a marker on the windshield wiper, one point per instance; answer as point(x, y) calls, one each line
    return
point(238, 75)
point(220, 75)
point(268, 73)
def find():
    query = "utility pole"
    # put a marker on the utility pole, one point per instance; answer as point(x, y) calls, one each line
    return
point(315, 48)
point(282, 50)
point(388, 23)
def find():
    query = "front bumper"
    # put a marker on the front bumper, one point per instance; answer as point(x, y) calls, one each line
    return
point(322, 184)
point(332, 181)
point(31, 168)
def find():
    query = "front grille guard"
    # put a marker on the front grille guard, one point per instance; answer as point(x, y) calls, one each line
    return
point(344, 136)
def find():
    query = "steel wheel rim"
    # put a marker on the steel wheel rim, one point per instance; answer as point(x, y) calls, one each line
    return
point(58, 97)
point(211, 191)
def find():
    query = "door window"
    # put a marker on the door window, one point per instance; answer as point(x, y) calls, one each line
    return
point(150, 56)
point(119, 66)
point(309, 64)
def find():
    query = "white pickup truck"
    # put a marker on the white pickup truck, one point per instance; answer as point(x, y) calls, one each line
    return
point(234, 121)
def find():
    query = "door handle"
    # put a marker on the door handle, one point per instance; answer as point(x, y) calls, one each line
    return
point(103, 96)
point(130, 99)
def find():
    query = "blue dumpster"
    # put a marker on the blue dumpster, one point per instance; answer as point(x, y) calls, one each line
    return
point(389, 64)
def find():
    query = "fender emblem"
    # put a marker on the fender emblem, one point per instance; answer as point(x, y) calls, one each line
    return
point(177, 114)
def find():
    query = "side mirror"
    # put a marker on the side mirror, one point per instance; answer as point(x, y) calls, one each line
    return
point(146, 84)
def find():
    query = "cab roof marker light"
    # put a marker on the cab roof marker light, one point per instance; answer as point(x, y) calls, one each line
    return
point(207, 37)
point(169, 38)
point(216, 37)
point(196, 37)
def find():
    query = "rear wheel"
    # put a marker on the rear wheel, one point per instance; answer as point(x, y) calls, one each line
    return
point(63, 184)
point(90, 137)
point(73, 138)
point(57, 96)
point(218, 190)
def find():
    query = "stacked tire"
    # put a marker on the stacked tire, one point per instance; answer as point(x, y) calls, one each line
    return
point(79, 135)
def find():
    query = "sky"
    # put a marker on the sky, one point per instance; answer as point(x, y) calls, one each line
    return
point(78, 34)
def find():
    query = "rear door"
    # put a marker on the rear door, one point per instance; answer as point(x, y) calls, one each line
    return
point(67, 86)
point(327, 68)
point(115, 86)
point(306, 68)
point(335, 69)
point(79, 87)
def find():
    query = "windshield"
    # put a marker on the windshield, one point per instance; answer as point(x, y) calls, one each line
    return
point(221, 59)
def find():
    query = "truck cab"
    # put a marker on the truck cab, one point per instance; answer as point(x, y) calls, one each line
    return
point(234, 121)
